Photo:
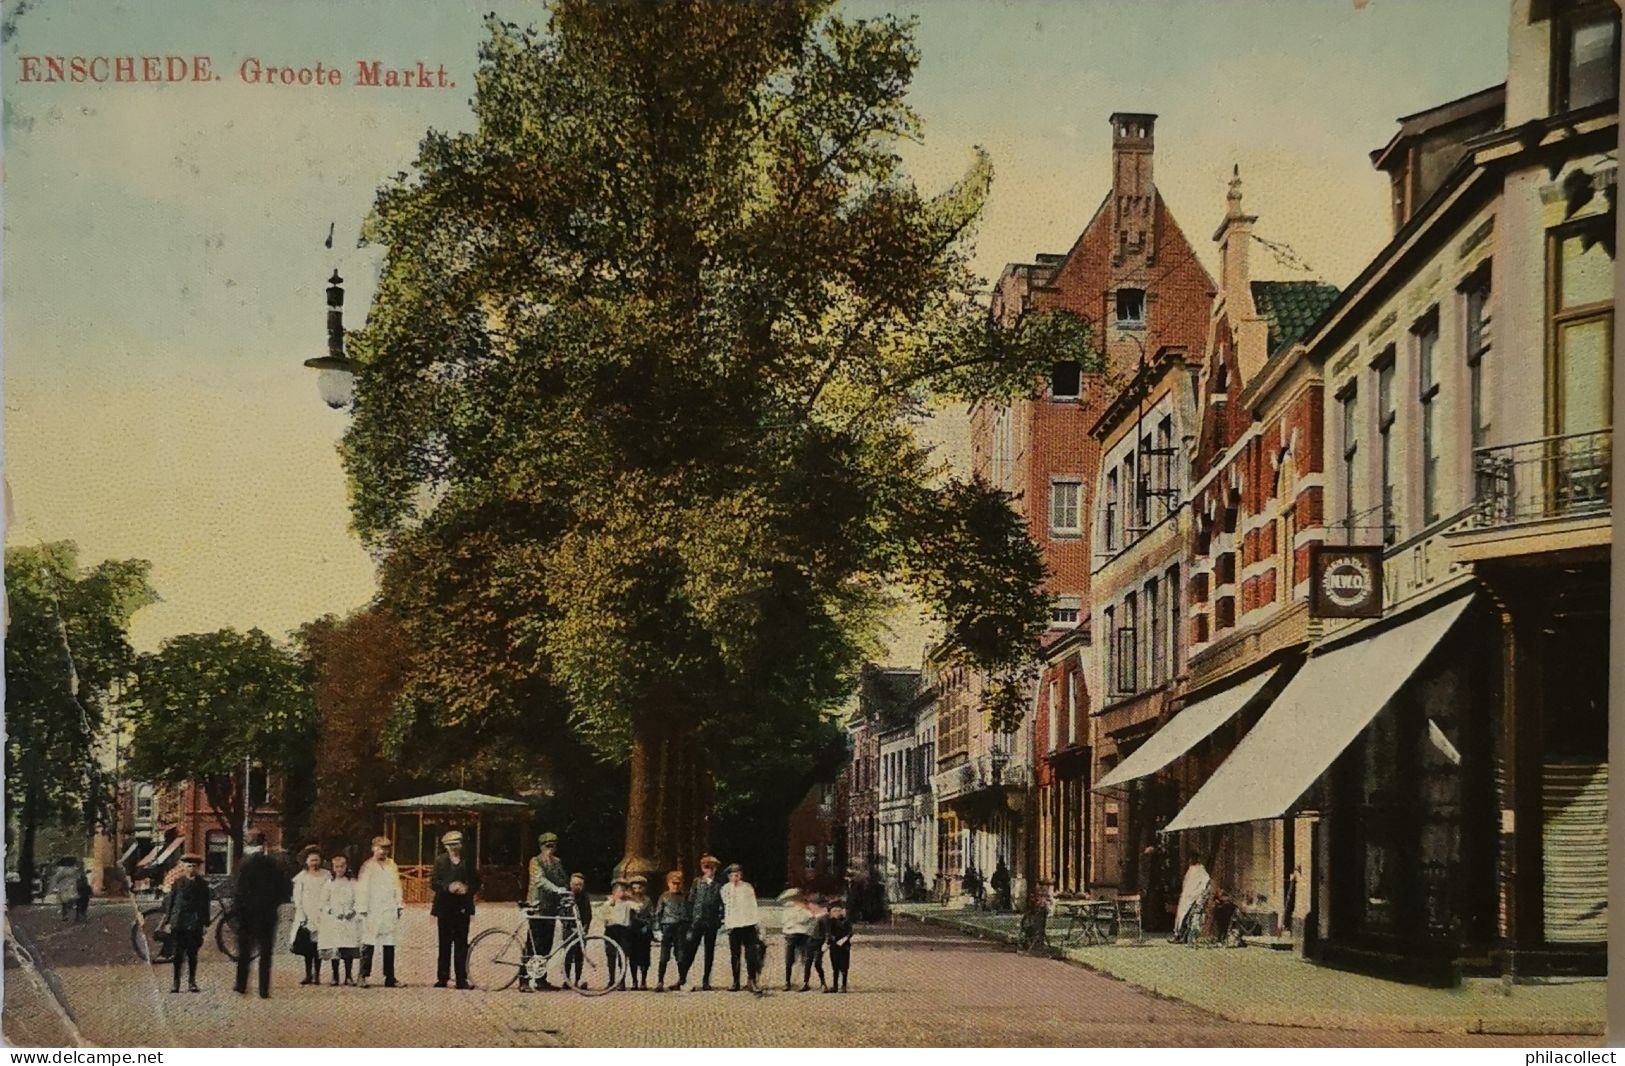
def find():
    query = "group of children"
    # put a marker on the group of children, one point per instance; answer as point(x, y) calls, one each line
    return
point(337, 918)
point(809, 927)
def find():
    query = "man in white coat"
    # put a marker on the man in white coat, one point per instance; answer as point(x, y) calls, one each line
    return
point(380, 904)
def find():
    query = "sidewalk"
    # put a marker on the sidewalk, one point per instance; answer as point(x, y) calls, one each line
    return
point(1260, 986)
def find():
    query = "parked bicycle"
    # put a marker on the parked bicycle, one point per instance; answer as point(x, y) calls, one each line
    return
point(498, 957)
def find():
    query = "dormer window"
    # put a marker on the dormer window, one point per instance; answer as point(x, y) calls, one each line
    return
point(1130, 308)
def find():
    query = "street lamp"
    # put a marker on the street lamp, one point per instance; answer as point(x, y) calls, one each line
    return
point(335, 371)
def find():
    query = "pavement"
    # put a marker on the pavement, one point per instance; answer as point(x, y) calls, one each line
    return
point(1258, 985)
point(913, 984)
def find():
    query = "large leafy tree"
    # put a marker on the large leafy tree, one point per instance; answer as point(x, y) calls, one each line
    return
point(635, 413)
point(208, 705)
point(67, 652)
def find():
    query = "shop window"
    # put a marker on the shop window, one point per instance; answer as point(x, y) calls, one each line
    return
point(217, 853)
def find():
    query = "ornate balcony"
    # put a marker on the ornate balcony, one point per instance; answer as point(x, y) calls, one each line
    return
point(1548, 494)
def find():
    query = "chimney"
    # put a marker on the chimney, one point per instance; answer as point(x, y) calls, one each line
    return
point(1133, 194)
point(1235, 237)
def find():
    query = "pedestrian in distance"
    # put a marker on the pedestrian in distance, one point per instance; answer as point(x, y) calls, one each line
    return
point(381, 905)
point(578, 911)
point(544, 899)
point(187, 912)
point(704, 922)
point(838, 933)
point(308, 886)
point(454, 884)
point(65, 886)
point(671, 926)
point(81, 908)
point(339, 928)
point(641, 931)
point(257, 901)
point(741, 917)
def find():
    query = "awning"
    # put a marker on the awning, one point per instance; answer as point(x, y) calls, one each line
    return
point(1320, 712)
point(1185, 730)
point(129, 851)
point(169, 849)
point(152, 856)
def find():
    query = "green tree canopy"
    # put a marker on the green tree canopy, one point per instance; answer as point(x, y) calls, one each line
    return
point(67, 650)
point(635, 419)
point(207, 703)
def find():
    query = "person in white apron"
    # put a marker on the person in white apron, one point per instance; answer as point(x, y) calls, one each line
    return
point(381, 904)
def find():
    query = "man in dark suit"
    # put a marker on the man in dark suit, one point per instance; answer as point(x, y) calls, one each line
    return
point(454, 884)
point(259, 894)
point(704, 920)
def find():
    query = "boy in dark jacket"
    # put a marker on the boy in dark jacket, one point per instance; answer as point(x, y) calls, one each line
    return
point(187, 911)
point(671, 919)
point(704, 921)
point(641, 933)
point(838, 933)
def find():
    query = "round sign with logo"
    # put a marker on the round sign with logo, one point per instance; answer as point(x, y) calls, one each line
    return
point(1347, 584)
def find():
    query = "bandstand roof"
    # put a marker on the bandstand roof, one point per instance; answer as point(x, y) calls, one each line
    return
point(457, 799)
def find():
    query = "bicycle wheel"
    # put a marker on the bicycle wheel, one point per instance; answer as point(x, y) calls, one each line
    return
point(599, 958)
point(226, 938)
point(494, 959)
point(144, 934)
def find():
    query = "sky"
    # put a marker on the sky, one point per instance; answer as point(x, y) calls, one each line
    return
point(164, 267)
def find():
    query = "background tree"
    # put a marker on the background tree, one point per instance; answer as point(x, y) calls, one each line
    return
point(209, 705)
point(634, 426)
point(66, 651)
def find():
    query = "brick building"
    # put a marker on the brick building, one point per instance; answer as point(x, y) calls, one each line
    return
point(1134, 276)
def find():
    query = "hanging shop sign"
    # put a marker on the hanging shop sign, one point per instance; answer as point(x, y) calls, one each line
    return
point(1345, 582)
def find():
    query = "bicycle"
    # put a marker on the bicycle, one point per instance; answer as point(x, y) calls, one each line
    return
point(499, 957)
point(151, 927)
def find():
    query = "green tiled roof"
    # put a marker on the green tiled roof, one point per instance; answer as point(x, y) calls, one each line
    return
point(1291, 308)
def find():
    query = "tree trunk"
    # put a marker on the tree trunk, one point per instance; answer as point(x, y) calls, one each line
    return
point(668, 804)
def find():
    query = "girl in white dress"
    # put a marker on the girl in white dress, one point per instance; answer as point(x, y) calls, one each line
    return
point(339, 931)
point(308, 885)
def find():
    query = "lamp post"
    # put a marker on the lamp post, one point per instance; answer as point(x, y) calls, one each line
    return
point(335, 371)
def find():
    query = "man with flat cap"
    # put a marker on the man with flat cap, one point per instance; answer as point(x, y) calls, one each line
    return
point(260, 887)
point(704, 921)
point(187, 912)
point(549, 885)
point(454, 884)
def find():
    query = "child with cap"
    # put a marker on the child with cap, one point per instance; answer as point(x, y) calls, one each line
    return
point(671, 924)
point(187, 911)
point(838, 931)
point(578, 906)
point(740, 917)
point(704, 922)
point(618, 925)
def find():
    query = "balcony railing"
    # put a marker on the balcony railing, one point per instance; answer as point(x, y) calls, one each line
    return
point(1553, 477)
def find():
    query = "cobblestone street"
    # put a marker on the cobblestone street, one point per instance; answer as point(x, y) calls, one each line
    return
point(911, 985)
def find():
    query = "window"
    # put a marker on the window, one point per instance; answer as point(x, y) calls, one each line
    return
point(1153, 615)
point(1165, 460)
point(1065, 381)
point(1142, 481)
point(1131, 500)
point(1128, 649)
point(1427, 341)
point(810, 859)
point(1111, 510)
point(1054, 715)
point(217, 853)
point(143, 806)
point(259, 787)
point(1130, 308)
point(1064, 507)
point(1289, 555)
point(1110, 655)
point(1064, 612)
point(1478, 350)
point(1173, 621)
point(1001, 449)
point(1585, 57)
point(1351, 451)
point(1582, 331)
point(1386, 417)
